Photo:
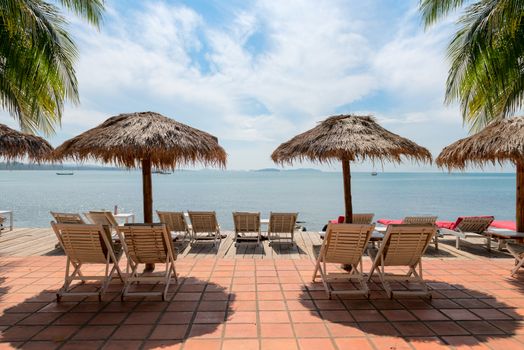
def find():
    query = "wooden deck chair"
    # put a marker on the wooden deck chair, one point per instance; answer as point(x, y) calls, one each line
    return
point(147, 244)
point(205, 227)
point(175, 222)
point(86, 244)
point(281, 227)
point(422, 220)
point(67, 218)
point(343, 244)
point(360, 219)
point(469, 227)
point(102, 217)
point(403, 245)
point(363, 218)
point(517, 250)
point(247, 227)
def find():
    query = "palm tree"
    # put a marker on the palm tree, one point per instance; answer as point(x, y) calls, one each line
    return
point(37, 54)
point(487, 57)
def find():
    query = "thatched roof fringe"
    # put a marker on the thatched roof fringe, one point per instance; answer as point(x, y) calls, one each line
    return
point(349, 137)
point(15, 145)
point(501, 141)
point(125, 139)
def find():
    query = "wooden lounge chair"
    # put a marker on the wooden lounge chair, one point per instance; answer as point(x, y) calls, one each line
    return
point(147, 244)
point(176, 224)
point(281, 227)
point(469, 227)
point(363, 218)
point(517, 250)
point(102, 217)
point(205, 227)
point(359, 219)
point(86, 244)
point(67, 218)
point(423, 220)
point(403, 245)
point(343, 244)
point(247, 227)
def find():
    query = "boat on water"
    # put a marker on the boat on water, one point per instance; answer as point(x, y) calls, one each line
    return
point(160, 172)
point(374, 173)
point(65, 173)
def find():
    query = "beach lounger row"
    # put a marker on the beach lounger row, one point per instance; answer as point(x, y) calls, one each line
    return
point(93, 244)
point(204, 225)
point(403, 246)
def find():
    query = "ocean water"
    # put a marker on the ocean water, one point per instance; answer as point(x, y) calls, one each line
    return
point(317, 196)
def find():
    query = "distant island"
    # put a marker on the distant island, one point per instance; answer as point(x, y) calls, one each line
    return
point(33, 166)
point(277, 170)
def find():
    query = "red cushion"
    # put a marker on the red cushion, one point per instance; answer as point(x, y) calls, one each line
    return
point(460, 218)
point(445, 224)
point(389, 222)
point(509, 225)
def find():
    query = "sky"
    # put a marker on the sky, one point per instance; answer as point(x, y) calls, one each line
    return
point(255, 73)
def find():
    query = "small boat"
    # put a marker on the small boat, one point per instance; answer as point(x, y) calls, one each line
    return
point(160, 172)
point(65, 173)
point(374, 173)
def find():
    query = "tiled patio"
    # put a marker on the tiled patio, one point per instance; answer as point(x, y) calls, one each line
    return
point(264, 304)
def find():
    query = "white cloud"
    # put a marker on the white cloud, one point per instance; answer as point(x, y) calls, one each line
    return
point(294, 62)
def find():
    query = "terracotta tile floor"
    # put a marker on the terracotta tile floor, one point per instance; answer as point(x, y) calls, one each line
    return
point(263, 304)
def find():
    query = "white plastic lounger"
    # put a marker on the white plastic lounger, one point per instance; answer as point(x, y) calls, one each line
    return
point(469, 227)
point(343, 244)
point(403, 245)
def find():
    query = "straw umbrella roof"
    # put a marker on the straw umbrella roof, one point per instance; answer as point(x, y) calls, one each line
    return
point(500, 141)
point(15, 144)
point(349, 137)
point(125, 139)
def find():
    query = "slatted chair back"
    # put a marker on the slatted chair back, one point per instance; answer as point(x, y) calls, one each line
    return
point(246, 222)
point(363, 219)
point(282, 222)
point(345, 243)
point(102, 217)
point(474, 224)
point(83, 243)
point(174, 220)
point(67, 218)
point(404, 244)
point(203, 221)
point(146, 243)
point(419, 220)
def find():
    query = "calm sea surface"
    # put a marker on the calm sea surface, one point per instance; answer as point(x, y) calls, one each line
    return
point(317, 196)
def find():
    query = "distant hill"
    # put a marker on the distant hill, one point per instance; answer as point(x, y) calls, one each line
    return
point(31, 166)
point(299, 169)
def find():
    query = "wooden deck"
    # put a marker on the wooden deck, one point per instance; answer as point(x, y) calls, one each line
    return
point(42, 241)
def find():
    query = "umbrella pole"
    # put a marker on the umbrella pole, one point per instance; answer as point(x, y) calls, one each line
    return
point(346, 174)
point(148, 198)
point(520, 197)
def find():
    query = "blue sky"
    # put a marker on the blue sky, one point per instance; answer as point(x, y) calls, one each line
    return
point(255, 73)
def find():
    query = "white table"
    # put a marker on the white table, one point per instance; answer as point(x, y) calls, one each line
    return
point(10, 214)
point(502, 235)
point(125, 216)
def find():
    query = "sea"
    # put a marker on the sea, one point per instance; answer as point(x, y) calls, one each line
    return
point(316, 196)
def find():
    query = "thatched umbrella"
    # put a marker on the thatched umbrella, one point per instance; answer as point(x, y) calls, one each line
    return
point(145, 140)
point(18, 145)
point(349, 138)
point(500, 141)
